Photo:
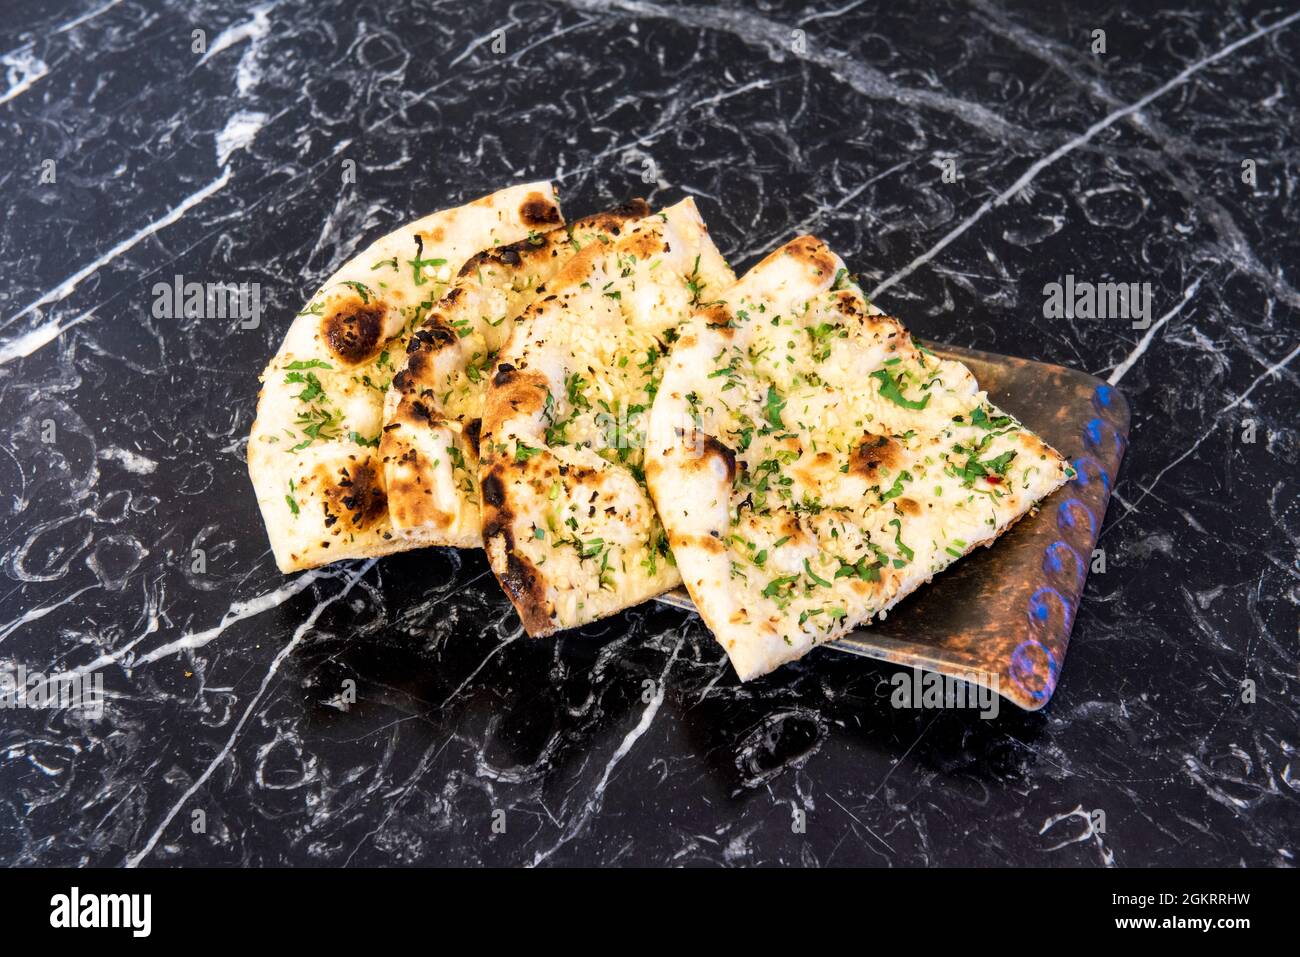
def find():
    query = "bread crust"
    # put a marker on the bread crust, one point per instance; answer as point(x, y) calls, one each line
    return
point(568, 525)
point(314, 451)
point(835, 468)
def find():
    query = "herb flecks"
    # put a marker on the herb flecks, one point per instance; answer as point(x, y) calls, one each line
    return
point(890, 389)
point(360, 288)
point(419, 263)
point(772, 408)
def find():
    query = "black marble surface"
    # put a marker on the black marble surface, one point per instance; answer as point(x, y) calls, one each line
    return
point(631, 741)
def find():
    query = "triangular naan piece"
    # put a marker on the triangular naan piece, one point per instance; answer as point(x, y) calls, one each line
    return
point(313, 451)
point(567, 522)
point(813, 466)
point(434, 407)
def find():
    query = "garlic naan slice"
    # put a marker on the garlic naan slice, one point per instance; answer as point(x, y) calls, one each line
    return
point(567, 522)
point(434, 407)
point(813, 466)
point(313, 452)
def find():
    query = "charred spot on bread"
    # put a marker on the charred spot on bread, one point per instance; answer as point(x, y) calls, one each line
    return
point(520, 578)
point(848, 304)
point(537, 210)
point(711, 447)
point(636, 208)
point(352, 330)
point(813, 253)
point(411, 501)
point(644, 244)
point(519, 391)
point(809, 469)
point(475, 263)
point(708, 543)
point(473, 432)
point(789, 525)
point(494, 490)
point(873, 453)
point(718, 318)
point(420, 411)
point(354, 495)
point(433, 336)
point(527, 590)
point(426, 343)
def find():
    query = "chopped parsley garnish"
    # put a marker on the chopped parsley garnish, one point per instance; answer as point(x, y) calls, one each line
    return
point(975, 469)
point(778, 589)
point(898, 540)
point(361, 288)
point(999, 464)
point(694, 284)
point(557, 433)
point(890, 390)
point(313, 390)
point(897, 488)
point(821, 336)
point(814, 576)
point(316, 423)
point(980, 419)
point(772, 407)
point(657, 546)
point(574, 386)
point(419, 262)
point(859, 569)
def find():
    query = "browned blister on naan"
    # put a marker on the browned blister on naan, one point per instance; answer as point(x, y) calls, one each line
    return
point(314, 451)
point(434, 408)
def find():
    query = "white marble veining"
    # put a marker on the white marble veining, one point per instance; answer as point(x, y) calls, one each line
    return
point(393, 711)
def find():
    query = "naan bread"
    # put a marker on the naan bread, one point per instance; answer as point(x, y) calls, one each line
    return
point(434, 407)
point(313, 452)
point(813, 466)
point(568, 525)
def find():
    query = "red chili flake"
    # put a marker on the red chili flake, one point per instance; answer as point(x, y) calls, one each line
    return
point(993, 479)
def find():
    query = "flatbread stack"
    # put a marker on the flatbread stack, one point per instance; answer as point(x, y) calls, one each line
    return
point(313, 455)
point(568, 523)
point(610, 414)
point(434, 407)
point(813, 466)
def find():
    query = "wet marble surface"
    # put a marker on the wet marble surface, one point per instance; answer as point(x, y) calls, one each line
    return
point(631, 742)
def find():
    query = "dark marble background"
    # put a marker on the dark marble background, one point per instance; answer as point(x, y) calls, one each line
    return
point(631, 741)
